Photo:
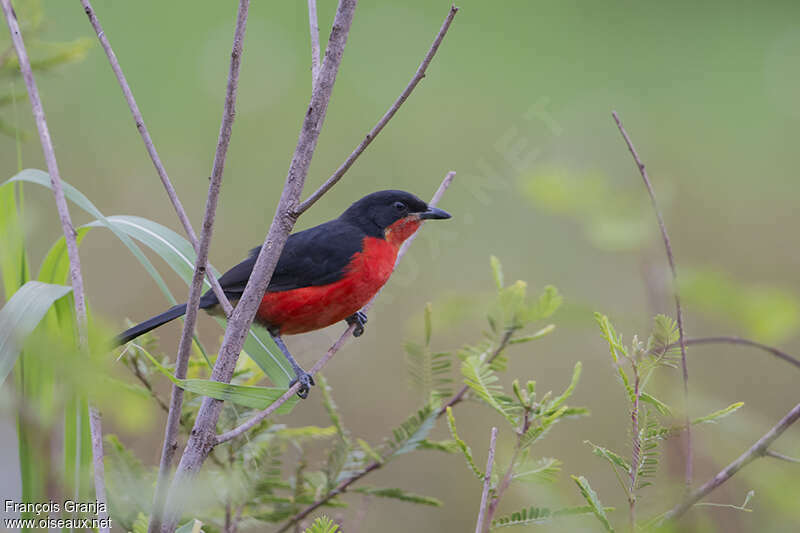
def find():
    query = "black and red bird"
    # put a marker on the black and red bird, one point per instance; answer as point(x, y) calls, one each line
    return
point(324, 274)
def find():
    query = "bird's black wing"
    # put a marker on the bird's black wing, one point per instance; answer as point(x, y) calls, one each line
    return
point(316, 256)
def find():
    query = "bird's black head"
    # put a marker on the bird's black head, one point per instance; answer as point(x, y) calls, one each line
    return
point(377, 211)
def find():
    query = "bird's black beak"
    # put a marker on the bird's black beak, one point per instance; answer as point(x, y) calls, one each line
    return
point(434, 213)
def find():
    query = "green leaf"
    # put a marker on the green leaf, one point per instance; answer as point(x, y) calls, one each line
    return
point(400, 494)
point(465, 450)
point(246, 395)
point(716, 415)
point(660, 406)
point(414, 430)
point(192, 526)
point(538, 335)
point(330, 407)
point(615, 345)
point(13, 258)
point(446, 446)
point(497, 272)
point(594, 502)
point(544, 469)
point(480, 378)
point(576, 375)
point(612, 457)
point(539, 515)
point(20, 316)
point(55, 266)
point(370, 451)
point(548, 303)
point(323, 524)
point(428, 326)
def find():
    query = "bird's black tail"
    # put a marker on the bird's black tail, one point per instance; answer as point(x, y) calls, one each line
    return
point(140, 329)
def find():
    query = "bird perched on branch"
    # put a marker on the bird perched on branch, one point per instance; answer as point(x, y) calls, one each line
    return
point(325, 274)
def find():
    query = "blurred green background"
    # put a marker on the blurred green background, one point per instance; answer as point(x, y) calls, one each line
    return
point(518, 102)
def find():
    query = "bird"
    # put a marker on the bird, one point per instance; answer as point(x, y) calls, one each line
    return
point(325, 274)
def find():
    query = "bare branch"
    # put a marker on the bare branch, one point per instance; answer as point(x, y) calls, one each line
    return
point(203, 434)
point(670, 258)
point(261, 415)
point(759, 449)
point(744, 342)
point(95, 423)
point(151, 149)
point(487, 482)
point(70, 235)
point(313, 27)
point(325, 187)
point(776, 455)
point(172, 425)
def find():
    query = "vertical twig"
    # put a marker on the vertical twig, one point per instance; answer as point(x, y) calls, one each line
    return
point(182, 360)
point(671, 260)
point(95, 423)
point(636, 447)
point(418, 75)
point(313, 27)
point(70, 235)
point(203, 434)
point(487, 481)
point(151, 149)
point(759, 449)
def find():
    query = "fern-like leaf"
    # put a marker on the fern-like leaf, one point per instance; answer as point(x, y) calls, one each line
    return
point(480, 378)
point(465, 450)
point(414, 430)
point(539, 515)
point(323, 524)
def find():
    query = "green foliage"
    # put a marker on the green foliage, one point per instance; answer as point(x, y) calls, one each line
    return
point(245, 395)
point(413, 431)
point(480, 378)
point(428, 369)
point(540, 515)
point(20, 316)
point(465, 450)
point(400, 494)
point(594, 502)
point(323, 524)
point(192, 526)
point(179, 255)
point(544, 469)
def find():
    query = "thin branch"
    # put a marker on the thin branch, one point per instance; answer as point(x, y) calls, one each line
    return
point(744, 342)
point(313, 27)
point(261, 415)
point(671, 260)
point(95, 422)
point(184, 348)
point(151, 149)
point(70, 235)
point(325, 187)
point(759, 449)
point(459, 396)
point(487, 482)
point(203, 434)
point(776, 455)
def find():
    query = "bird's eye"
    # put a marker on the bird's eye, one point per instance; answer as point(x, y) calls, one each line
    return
point(400, 206)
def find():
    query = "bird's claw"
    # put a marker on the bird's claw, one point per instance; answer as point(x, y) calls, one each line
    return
point(360, 320)
point(306, 382)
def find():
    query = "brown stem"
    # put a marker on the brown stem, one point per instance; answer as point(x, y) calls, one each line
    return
point(70, 236)
point(480, 526)
point(151, 149)
point(743, 342)
point(418, 75)
point(679, 312)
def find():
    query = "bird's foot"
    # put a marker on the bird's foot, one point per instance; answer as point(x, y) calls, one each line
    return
point(306, 382)
point(360, 320)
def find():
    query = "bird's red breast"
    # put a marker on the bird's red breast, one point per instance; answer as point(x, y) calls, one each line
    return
point(310, 308)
